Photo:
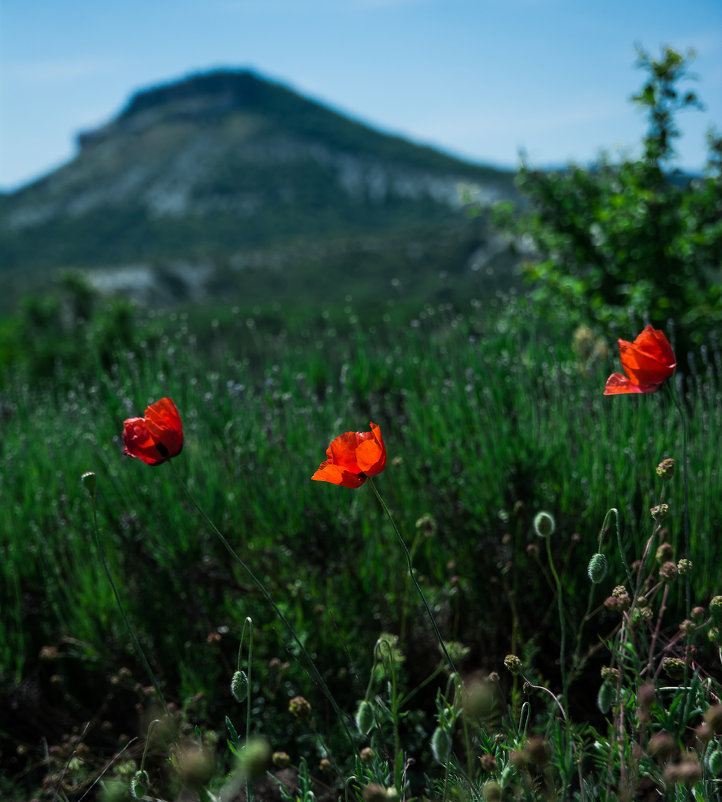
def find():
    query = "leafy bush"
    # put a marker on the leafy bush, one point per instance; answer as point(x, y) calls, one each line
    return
point(631, 237)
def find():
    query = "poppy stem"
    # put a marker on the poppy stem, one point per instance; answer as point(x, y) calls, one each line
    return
point(411, 574)
point(131, 632)
point(672, 384)
point(314, 674)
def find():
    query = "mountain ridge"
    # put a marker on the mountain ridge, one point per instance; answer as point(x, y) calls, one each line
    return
point(222, 163)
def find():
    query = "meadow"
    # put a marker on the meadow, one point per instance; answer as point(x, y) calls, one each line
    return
point(564, 688)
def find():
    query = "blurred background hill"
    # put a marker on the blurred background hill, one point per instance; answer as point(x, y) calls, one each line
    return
point(225, 183)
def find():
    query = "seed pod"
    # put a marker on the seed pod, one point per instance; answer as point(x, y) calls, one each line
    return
point(597, 568)
point(544, 524)
point(365, 717)
point(714, 763)
point(441, 745)
point(239, 686)
point(605, 697)
point(140, 784)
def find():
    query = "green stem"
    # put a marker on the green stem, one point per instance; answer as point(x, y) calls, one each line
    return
point(560, 606)
point(249, 621)
point(398, 757)
point(131, 632)
point(627, 569)
point(315, 673)
point(147, 741)
point(562, 658)
point(685, 489)
point(413, 577)
point(685, 519)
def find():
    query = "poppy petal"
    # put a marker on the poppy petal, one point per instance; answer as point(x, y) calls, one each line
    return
point(371, 452)
point(617, 384)
point(139, 443)
point(643, 367)
point(157, 437)
point(342, 451)
point(165, 426)
point(337, 475)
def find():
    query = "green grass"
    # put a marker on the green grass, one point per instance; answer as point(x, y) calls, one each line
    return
point(488, 417)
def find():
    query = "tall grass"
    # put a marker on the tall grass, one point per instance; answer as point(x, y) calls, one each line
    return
point(488, 416)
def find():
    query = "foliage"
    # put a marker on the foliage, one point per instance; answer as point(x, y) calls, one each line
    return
point(261, 395)
point(630, 237)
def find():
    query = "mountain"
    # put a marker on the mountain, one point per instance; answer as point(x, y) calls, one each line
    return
point(199, 181)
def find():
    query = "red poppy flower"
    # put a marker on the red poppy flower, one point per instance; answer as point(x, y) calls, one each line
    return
point(648, 362)
point(157, 437)
point(352, 458)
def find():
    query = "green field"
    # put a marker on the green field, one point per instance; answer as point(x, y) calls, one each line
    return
point(489, 415)
point(524, 600)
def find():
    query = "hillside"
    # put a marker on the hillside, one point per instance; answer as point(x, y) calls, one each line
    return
point(220, 173)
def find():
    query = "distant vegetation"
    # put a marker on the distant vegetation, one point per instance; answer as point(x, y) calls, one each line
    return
point(631, 237)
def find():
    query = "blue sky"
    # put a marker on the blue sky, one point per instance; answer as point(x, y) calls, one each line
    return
point(481, 79)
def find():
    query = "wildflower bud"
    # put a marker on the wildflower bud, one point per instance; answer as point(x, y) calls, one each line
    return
point(714, 763)
point(324, 766)
point(684, 567)
point(367, 754)
point(512, 664)
point(239, 686)
point(89, 482)
point(426, 525)
point(619, 600)
point(609, 674)
point(697, 614)
point(713, 717)
point(299, 708)
point(665, 469)
point(714, 636)
point(687, 627)
point(441, 745)
point(281, 760)
point(646, 696)
point(538, 751)
point(195, 766)
point(374, 792)
point(664, 552)
point(673, 667)
point(254, 758)
point(659, 512)
point(392, 795)
point(544, 524)
point(478, 700)
point(703, 732)
point(689, 772)
point(365, 717)
point(49, 653)
point(640, 616)
point(605, 697)
point(715, 608)
point(661, 746)
point(140, 784)
point(532, 550)
point(492, 791)
point(597, 568)
point(488, 763)
point(668, 572)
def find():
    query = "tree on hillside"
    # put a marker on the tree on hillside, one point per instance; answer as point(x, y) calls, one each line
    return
point(633, 237)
